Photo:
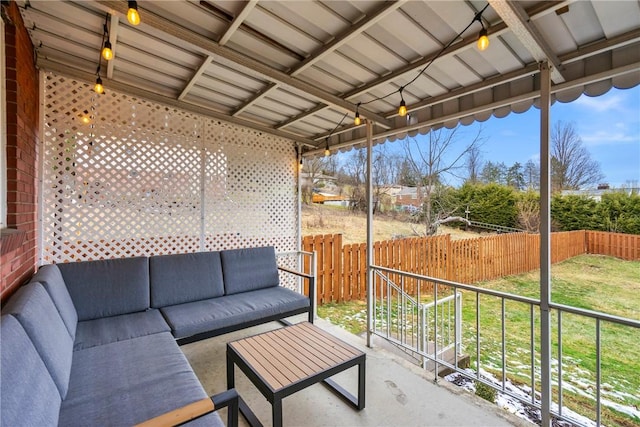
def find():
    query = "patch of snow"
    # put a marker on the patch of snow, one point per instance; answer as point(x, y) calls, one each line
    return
point(519, 408)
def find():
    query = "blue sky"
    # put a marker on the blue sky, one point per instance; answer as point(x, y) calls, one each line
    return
point(609, 126)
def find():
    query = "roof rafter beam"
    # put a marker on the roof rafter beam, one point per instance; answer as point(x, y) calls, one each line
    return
point(353, 31)
point(233, 27)
point(471, 40)
point(113, 39)
point(167, 100)
point(498, 104)
point(249, 64)
point(519, 21)
point(592, 49)
point(531, 69)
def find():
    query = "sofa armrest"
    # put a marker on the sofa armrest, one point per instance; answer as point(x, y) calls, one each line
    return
point(197, 409)
point(312, 288)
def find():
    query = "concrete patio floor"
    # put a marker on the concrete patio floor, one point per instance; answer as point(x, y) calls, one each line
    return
point(398, 393)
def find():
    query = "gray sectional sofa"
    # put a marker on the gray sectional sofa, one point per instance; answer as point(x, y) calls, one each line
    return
point(97, 343)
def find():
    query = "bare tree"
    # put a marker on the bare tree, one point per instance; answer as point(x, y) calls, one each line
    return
point(384, 172)
point(571, 164)
point(474, 163)
point(528, 214)
point(438, 156)
point(312, 168)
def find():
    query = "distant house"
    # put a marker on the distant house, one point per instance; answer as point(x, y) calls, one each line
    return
point(409, 198)
point(319, 180)
point(596, 193)
point(331, 199)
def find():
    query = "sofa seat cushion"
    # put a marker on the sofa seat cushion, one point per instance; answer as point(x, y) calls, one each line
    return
point(180, 278)
point(249, 269)
point(51, 279)
point(33, 308)
point(28, 395)
point(119, 328)
point(203, 316)
point(107, 287)
point(127, 382)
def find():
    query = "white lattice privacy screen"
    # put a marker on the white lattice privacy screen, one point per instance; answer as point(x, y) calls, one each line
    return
point(125, 177)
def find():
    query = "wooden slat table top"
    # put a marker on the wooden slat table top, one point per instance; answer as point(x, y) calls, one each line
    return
point(293, 353)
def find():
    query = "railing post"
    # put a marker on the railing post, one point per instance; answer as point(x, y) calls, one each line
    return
point(458, 317)
point(423, 331)
point(545, 247)
point(312, 287)
point(370, 284)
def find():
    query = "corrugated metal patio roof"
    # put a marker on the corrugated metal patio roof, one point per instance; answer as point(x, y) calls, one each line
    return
point(298, 69)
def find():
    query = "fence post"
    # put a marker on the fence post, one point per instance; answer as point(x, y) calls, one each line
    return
point(449, 258)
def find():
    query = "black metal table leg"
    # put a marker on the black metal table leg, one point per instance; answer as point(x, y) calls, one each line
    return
point(276, 410)
point(340, 391)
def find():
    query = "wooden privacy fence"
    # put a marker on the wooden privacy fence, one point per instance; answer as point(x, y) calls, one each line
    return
point(341, 274)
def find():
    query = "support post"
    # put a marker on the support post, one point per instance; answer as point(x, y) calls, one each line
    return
point(545, 245)
point(299, 220)
point(370, 284)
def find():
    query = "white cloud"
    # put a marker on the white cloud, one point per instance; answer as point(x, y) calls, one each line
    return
point(604, 137)
point(601, 104)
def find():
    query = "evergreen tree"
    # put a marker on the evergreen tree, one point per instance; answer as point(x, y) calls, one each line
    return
point(515, 177)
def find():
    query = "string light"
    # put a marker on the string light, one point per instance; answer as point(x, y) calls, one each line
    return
point(132, 14)
point(327, 152)
point(107, 51)
point(483, 39)
point(356, 119)
point(98, 88)
point(483, 43)
point(402, 110)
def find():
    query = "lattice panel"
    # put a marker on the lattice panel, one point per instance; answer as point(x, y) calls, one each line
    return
point(123, 177)
point(249, 190)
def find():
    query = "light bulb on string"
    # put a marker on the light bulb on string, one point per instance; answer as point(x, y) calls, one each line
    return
point(356, 119)
point(402, 110)
point(107, 52)
point(98, 88)
point(327, 152)
point(483, 39)
point(133, 16)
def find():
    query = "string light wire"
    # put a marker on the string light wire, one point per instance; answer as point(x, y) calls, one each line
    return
point(477, 17)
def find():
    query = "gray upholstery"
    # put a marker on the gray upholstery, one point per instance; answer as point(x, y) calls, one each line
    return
point(84, 347)
point(208, 315)
point(249, 269)
point(127, 382)
point(34, 309)
point(96, 332)
point(51, 279)
point(108, 287)
point(176, 279)
point(28, 395)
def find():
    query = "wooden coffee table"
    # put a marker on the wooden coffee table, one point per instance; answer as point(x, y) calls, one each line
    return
point(284, 361)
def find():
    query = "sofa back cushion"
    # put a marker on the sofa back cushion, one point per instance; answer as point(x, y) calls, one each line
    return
point(28, 395)
point(107, 287)
point(51, 279)
point(39, 317)
point(176, 279)
point(249, 269)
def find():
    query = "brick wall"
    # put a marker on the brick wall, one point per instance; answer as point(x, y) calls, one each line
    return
point(22, 115)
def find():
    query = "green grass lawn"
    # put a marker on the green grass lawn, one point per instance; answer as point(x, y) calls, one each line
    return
point(591, 282)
